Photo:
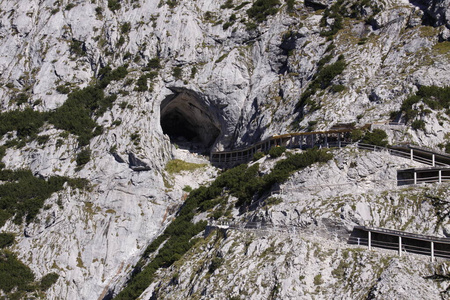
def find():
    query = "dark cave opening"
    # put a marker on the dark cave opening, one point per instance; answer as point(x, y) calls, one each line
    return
point(189, 122)
point(178, 128)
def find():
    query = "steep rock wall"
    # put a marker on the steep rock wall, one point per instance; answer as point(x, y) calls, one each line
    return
point(251, 80)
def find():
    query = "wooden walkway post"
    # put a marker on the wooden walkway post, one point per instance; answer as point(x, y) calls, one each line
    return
point(440, 176)
point(400, 246)
point(433, 160)
point(415, 177)
point(412, 154)
point(432, 251)
point(369, 240)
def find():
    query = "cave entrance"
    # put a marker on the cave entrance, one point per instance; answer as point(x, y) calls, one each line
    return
point(188, 122)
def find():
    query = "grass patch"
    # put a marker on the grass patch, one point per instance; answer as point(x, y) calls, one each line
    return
point(177, 165)
point(442, 48)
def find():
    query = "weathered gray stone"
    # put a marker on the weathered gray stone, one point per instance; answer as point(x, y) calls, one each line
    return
point(247, 85)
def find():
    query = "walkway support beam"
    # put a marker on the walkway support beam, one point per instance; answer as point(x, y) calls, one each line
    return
point(369, 240)
point(415, 177)
point(400, 246)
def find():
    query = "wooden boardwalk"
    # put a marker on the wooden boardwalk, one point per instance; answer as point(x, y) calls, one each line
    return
point(438, 161)
point(338, 137)
point(303, 140)
point(403, 242)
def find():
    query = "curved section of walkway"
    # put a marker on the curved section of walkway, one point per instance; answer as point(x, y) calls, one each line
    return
point(438, 161)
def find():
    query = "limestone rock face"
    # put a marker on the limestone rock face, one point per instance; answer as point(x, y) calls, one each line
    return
point(228, 81)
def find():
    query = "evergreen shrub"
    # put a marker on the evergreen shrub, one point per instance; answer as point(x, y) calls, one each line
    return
point(275, 152)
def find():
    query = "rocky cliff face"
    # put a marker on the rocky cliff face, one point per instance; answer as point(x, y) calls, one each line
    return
point(229, 78)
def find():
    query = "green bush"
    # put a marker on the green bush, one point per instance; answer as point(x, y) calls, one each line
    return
point(121, 41)
point(418, 125)
point(290, 5)
point(447, 147)
point(407, 109)
point(106, 75)
point(193, 71)
point(436, 98)
point(324, 60)
point(337, 88)
point(328, 73)
point(23, 195)
point(216, 262)
point(83, 157)
point(77, 48)
point(114, 5)
point(69, 6)
point(321, 80)
point(75, 114)
point(187, 189)
point(48, 280)
point(228, 4)
point(154, 64)
point(318, 279)
point(377, 137)
point(21, 98)
point(63, 89)
point(341, 9)
point(6, 239)
point(26, 123)
point(227, 25)
point(99, 11)
point(14, 274)
point(42, 139)
point(258, 156)
point(241, 5)
point(275, 152)
point(261, 9)
point(177, 72)
point(356, 135)
point(273, 201)
point(125, 27)
point(141, 84)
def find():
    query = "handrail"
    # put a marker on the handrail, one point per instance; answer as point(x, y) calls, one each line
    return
point(361, 241)
point(238, 154)
point(405, 234)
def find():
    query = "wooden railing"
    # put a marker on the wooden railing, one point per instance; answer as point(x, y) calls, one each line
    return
point(326, 139)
